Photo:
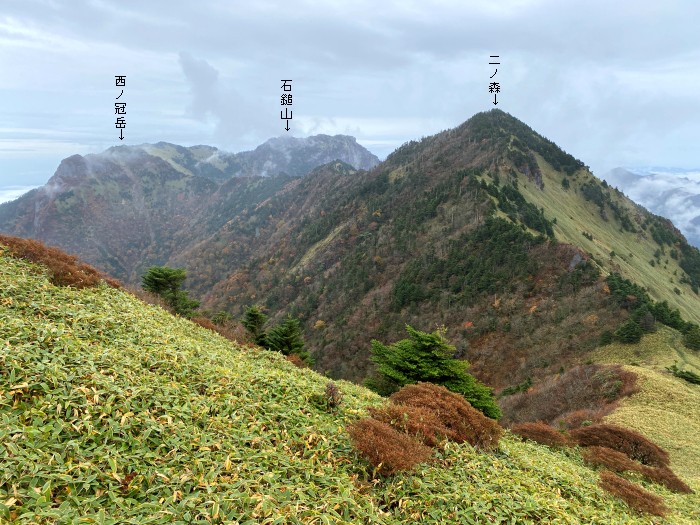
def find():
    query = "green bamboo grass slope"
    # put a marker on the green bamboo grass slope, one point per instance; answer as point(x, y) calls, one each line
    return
point(113, 411)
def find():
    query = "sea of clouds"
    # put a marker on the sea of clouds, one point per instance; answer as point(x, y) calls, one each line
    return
point(670, 192)
point(10, 193)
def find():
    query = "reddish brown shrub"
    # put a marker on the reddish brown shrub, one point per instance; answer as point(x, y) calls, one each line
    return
point(296, 361)
point(204, 323)
point(624, 440)
point(542, 433)
point(619, 462)
point(610, 459)
point(665, 476)
point(461, 421)
point(231, 330)
point(150, 298)
point(585, 387)
point(235, 331)
point(587, 416)
point(387, 449)
point(421, 423)
point(63, 269)
point(632, 494)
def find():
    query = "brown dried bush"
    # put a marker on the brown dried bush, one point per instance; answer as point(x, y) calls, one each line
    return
point(387, 449)
point(231, 330)
point(333, 396)
point(63, 269)
point(234, 331)
point(610, 459)
point(666, 477)
point(632, 494)
point(149, 298)
point(619, 462)
point(458, 417)
point(624, 440)
point(582, 417)
point(541, 432)
point(296, 361)
point(420, 423)
point(585, 387)
point(204, 323)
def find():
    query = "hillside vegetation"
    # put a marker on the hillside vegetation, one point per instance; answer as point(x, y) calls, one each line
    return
point(488, 229)
point(614, 248)
point(667, 409)
point(113, 411)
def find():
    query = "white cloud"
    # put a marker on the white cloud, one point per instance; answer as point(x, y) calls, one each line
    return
point(12, 192)
point(671, 193)
point(612, 83)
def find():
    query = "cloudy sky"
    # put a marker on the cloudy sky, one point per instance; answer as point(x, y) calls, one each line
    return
point(614, 83)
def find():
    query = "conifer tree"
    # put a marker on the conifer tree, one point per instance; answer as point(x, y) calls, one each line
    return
point(630, 332)
point(691, 338)
point(167, 283)
point(429, 357)
point(286, 338)
point(254, 320)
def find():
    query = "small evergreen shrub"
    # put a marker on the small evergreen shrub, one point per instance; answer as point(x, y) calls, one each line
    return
point(624, 440)
point(542, 433)
point(462, 421)
point(687, 375)
point(254, 320)
point(606, 338)
point(167, 282)
point(632, 494)
point(514, 389)
point(691, 338)
point(430, 357)
point(386, 449)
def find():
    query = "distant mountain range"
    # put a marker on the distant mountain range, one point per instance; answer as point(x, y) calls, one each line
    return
point(671, 192)
point(132, 206)
point(489, 229)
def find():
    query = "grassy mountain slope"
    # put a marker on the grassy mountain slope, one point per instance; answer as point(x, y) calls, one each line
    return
point(667, 408)
point(114, 411)
point(632, 250)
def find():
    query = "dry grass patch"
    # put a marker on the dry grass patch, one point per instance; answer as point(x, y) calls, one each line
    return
point(610, 459)
point(666, 477)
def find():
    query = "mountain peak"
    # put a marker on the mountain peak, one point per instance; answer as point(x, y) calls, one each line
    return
point(298, 155)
